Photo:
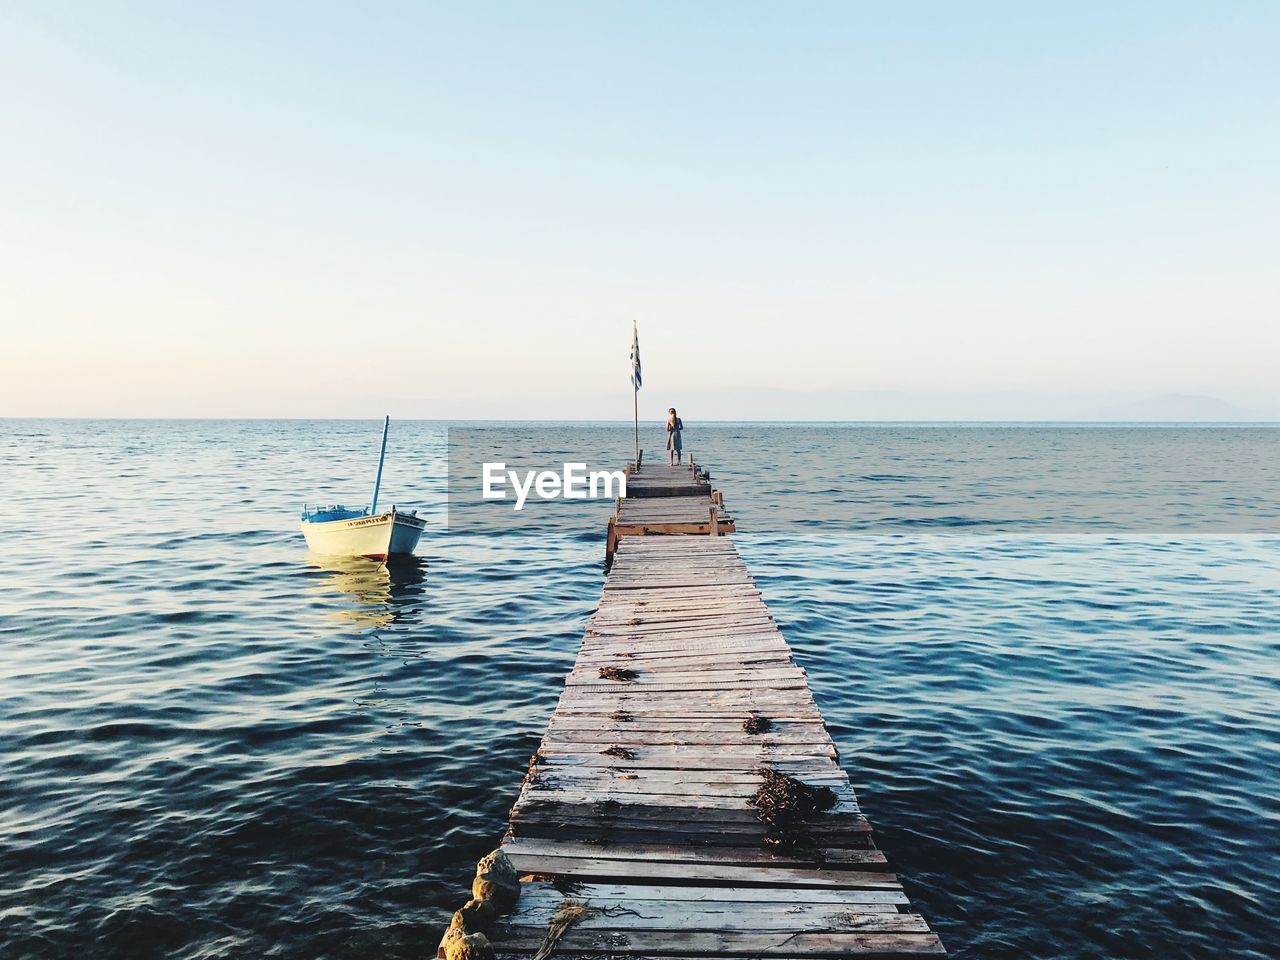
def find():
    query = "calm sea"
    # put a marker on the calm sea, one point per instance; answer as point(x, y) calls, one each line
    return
point(215, 745)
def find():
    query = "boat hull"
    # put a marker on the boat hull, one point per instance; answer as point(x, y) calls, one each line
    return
point(389, 534)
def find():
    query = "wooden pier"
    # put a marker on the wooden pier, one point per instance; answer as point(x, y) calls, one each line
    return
point(686, 800)
point(662, 500)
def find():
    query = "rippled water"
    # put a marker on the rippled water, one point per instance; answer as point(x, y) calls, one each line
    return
point(214, 745)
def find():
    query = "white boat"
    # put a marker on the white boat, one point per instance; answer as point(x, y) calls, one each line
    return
point(339, 532)
point(336, 530)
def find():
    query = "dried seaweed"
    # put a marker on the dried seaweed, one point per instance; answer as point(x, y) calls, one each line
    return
point(567, 914)
point(757, 724)
point(621, 716)
point(622, 753)
point(533, 774)
point(784, 804)
point(621, 674)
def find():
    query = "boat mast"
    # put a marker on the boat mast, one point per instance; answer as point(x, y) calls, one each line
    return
point(386, 425)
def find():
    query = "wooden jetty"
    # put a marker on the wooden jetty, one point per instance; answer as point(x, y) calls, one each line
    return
point(663, 499)
point(663, 480)
point(686, 800)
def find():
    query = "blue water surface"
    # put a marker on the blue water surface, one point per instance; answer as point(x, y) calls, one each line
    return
point(215, 745)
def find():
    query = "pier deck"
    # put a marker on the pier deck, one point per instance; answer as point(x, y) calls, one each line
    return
point(651, 515)
point(665, 499)
point(664, 480)
point(642, 801)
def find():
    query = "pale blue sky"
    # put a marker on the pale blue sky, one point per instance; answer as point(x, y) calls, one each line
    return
point(822, 210)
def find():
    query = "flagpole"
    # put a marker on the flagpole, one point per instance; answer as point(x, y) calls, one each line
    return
point(635, 386)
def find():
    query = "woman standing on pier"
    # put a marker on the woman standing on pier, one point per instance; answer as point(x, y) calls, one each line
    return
point(674, 426)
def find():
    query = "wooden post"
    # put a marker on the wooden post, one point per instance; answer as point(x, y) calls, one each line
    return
point(610, 542)
point(715, 527)
point(639, 459)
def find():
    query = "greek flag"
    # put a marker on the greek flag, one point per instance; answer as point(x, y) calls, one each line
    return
point(635, 357)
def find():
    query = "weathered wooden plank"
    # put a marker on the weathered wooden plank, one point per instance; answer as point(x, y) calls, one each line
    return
point(540, 891)
point(676, 915)
point(642, 814)
point(723, 628)
point(631, 700)
point(584, 741)
point(694, 804)
point(684, 704)
point(834, 858)
point(780, 944)
point(753, 657)
point(856, 836)
point(793, 761)
point(627, 779)
point(643, 606)
point(669, 715)
point(744, 751)
point(632, 870)
point(670, 681)
point(697, 725)
point(656, 618)
point(707, 638)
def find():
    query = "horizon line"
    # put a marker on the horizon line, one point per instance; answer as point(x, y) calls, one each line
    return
point(375, 418)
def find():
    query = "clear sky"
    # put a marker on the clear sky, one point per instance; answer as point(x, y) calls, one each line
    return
point(818, 210)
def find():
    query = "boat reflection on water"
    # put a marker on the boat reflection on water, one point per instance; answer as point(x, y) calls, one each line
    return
point(383, 592)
